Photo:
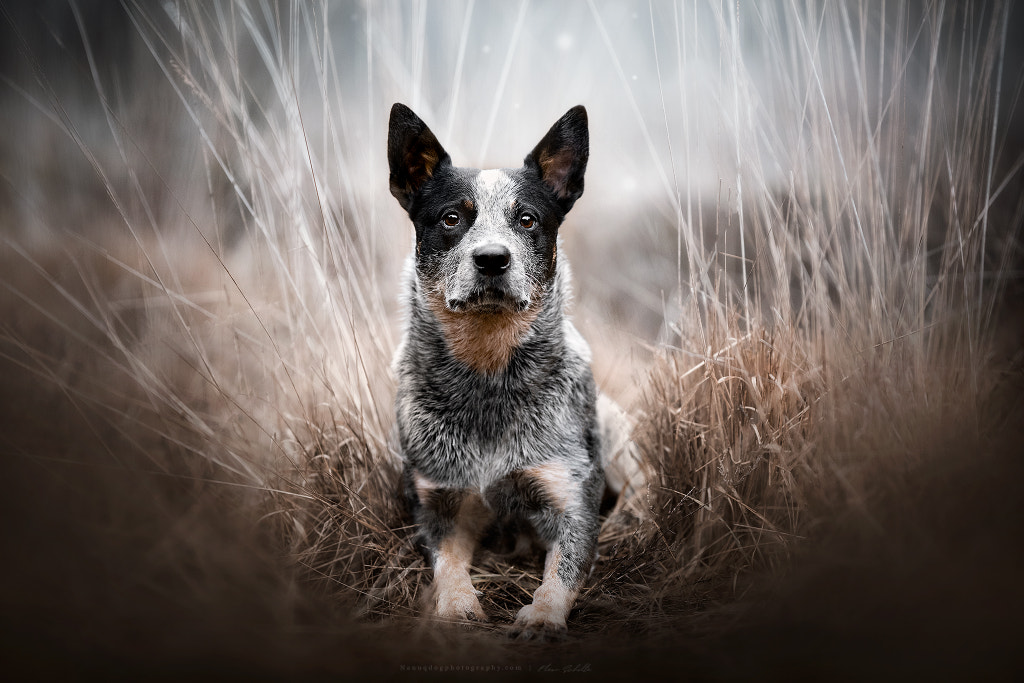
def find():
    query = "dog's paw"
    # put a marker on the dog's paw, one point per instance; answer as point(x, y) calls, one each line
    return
point(459, 605)
point(536, 623)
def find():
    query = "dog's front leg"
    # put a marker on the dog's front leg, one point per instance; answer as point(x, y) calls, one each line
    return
point(566, 566)
point(450, 522)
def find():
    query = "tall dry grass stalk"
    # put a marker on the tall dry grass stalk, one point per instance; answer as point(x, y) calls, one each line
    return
point(826, 198)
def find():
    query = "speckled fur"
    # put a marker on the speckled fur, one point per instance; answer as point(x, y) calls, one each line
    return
point(496, 400)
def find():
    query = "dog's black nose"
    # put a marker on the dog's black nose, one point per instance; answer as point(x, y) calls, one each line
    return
point(492, 259)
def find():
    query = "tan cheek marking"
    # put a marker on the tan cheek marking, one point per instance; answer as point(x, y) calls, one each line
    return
point(556, 481)
point(483, 341)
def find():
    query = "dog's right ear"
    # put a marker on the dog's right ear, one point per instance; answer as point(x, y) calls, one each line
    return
point(413, 154)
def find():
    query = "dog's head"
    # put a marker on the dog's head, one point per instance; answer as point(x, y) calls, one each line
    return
point(486, 240)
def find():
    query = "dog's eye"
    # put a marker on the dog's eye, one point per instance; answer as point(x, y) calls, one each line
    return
point(527, 221)
point(451, 219)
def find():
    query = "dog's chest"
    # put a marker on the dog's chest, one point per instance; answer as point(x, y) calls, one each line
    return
point(473, 434)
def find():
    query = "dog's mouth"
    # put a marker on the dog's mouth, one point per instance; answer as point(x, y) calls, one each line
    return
point(488, 300)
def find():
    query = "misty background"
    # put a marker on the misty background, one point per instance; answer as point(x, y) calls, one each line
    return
point(816, 206)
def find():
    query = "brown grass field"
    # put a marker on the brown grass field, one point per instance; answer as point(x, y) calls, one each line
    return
point(798, 262)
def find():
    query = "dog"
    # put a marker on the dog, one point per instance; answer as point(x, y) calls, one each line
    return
point(496, 405)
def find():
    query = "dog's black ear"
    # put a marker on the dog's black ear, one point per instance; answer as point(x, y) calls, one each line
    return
point(560, 159)
point(413, 154)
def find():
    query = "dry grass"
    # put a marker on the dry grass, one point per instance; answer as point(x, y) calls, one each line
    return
point(818, 349)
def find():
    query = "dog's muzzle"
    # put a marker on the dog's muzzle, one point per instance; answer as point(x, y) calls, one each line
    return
point(489, 284)
point(488, 300)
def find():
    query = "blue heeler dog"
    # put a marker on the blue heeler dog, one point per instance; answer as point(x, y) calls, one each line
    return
point(496, 404)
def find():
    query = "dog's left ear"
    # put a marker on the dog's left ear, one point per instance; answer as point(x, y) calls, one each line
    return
point(560, 159)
